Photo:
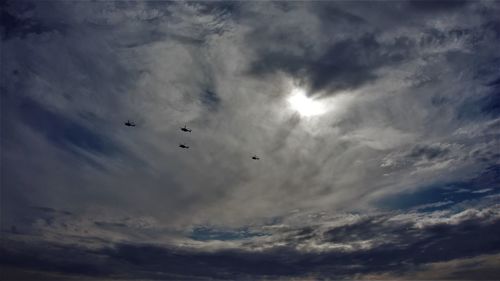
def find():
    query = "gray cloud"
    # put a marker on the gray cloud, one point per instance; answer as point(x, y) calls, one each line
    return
point(383, 242)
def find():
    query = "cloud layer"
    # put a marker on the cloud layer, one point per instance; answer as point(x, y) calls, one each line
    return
point(397, 179)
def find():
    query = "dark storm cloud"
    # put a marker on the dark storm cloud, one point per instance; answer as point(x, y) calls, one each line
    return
point(19, 19)
point(109, 224)
point(430, 152)
point(51, 210)
point(347, 64)
point(438, 5)
point(67, 260)
point(350, 62)
point(207, 234)
point(346, 61)
point(148, 261)
point(394, 244)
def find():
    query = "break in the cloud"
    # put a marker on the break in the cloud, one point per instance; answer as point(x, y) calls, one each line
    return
point(398, 178)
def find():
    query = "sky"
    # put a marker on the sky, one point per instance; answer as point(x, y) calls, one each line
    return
point(377, 125)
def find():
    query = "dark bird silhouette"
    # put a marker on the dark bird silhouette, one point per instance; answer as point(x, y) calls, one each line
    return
point(129, 124)
point(183, 146)
point(255, 157)
point(185, 129)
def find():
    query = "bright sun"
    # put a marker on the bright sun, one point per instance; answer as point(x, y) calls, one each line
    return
point(304, 105)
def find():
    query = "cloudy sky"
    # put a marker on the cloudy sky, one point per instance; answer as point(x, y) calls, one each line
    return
point(377, 125)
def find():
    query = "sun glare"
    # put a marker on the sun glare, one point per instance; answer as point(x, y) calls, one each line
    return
point(304, 105)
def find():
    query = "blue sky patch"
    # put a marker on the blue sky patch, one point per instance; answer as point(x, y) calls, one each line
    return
point(487, 183)
point(63, 132)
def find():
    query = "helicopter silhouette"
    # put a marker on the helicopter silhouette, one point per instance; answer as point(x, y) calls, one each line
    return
point(129, 124)
point(185, 129)
point(183, 146)
point(255, 157)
